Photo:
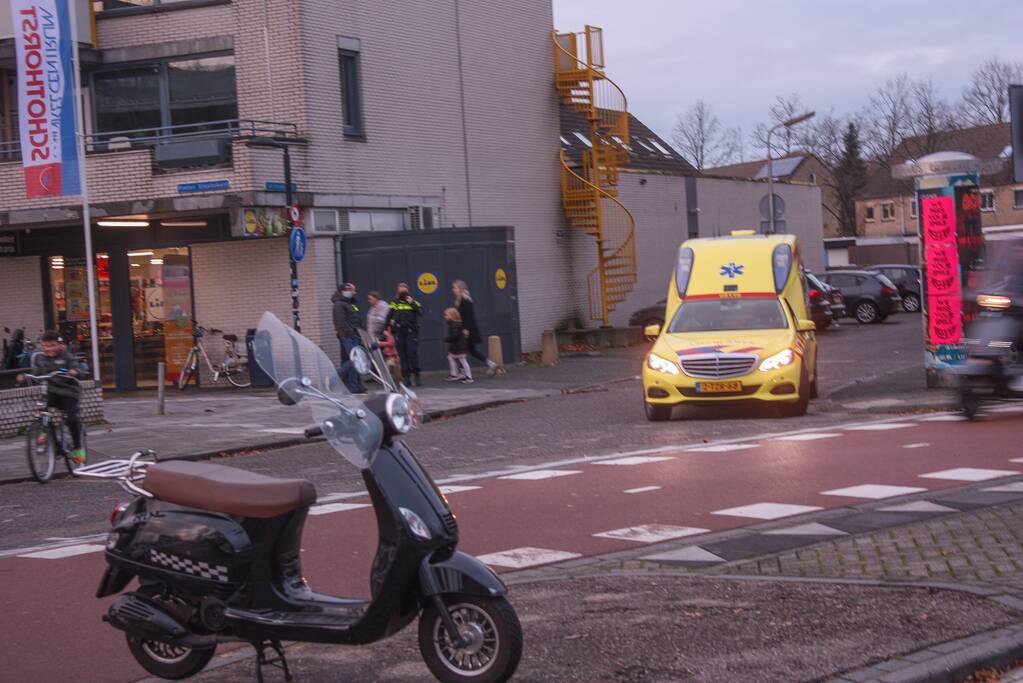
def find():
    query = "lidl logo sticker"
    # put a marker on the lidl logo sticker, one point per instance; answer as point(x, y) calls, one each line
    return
point(427, 283)
point(501, 278)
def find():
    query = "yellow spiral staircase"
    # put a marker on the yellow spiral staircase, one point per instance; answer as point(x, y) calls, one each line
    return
point(589, 190)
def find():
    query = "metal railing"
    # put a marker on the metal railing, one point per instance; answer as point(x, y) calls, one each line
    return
point(141, 138)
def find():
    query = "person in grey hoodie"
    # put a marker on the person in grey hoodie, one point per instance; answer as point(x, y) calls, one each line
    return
point(346, 325)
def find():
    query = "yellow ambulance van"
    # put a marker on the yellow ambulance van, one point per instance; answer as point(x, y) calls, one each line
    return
point(737, 328)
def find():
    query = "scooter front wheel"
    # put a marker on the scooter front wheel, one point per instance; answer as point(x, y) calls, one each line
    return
point(493, 634)
point(164, 660)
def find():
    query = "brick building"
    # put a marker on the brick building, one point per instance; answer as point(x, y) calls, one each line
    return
point(404, 115)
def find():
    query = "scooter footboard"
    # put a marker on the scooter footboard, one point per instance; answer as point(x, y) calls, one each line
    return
point(460, 573)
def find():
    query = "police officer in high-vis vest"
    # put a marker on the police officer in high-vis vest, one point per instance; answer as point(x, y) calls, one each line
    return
point(403, 319)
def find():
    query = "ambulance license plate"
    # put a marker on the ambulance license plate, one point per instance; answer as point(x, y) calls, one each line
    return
point(718, 387)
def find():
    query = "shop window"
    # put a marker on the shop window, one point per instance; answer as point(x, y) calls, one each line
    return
point(351, 93)
point(139, 100)
point(987, 200)
point(888, 211)
point(69, 303)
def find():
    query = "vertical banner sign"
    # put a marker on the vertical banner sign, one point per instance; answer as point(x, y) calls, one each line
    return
point(941, 256)
point(46, 97)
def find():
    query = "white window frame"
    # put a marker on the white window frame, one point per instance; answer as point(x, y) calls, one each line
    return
point(912, 208)
point(984, 194)
point(889, 208)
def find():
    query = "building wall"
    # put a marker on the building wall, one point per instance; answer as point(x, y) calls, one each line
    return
point(21, 295)
point(727, 205)
point(1005, 213)
point(904, 223)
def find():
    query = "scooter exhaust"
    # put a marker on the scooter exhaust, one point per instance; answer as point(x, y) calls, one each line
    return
point(138, 615)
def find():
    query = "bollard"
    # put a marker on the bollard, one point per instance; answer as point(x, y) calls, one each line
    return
point(161, 380)
point(495, 353)
point(549, 353)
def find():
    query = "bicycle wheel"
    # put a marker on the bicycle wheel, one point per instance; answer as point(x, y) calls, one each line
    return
point(187, 370)
point(41, 445)
point(237, 372)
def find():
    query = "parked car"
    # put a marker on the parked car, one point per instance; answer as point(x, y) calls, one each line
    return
point(869, 297)
point(819, 296)
point(651, 315)
point(906, 279)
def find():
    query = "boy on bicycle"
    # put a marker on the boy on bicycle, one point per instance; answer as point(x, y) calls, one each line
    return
point(61, 393)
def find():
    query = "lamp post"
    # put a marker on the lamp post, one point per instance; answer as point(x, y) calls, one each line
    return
point(770, 167)
point(274, 143)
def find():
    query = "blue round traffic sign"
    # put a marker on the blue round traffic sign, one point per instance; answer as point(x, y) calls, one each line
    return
point(297, 244)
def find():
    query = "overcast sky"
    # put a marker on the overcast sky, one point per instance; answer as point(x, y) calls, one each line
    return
point(739, 54)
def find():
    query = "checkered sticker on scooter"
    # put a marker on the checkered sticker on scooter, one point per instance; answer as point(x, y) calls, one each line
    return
point(183, 564)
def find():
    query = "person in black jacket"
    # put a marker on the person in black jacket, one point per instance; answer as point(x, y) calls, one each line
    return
point(403, 321)
point(467, 311)
point(457, 347)
point(346, 325)
point(61, 393)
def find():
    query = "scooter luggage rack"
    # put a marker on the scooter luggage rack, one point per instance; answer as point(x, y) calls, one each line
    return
point(129, 473)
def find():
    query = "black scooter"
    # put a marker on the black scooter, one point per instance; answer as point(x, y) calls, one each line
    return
point(216, 549)
point(993, 370)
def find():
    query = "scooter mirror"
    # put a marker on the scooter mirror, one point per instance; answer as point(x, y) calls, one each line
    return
point(360, 359)
point(289, 391)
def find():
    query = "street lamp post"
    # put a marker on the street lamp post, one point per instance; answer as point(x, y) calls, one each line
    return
point(770, 166)
point(274, 143)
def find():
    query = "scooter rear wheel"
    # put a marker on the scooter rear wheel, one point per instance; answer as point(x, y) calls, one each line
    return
point(494, 634)
point(173, 662)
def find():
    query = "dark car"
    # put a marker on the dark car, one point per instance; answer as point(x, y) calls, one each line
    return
point(869, 297)
point(818, 295)
point(906, 279)
point(651, 315)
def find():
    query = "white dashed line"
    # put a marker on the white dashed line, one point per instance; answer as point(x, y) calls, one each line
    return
point(335, 507)
point(969, 474)
point(650, 533)
point(519, 558)
point(922, 444)
point(66, 551)
point(766, 510)
point(693, 553)
point(448, 490)
point(943, 418)
point(873, 491)
point(722, 448)
point(808, 437)
point(642, 489)
point(541, 474)
point(1016, 460)
point(284, 430)
point(811, 529)
point(882, 427)
point(634, 460)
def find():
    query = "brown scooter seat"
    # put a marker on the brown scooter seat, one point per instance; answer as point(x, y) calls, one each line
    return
point(227, 489)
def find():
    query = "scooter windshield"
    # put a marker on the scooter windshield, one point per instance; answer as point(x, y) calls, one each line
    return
point(305, 374)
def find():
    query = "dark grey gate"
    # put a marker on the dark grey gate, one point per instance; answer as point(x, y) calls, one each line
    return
point(379, 261)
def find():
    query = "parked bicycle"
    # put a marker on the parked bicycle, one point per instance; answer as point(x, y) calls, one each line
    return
point(49, 437)
point(234, 367)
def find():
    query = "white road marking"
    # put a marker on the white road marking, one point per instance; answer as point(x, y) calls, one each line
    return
point(541, 474)
point(808, 437)
point(635, 460)
point(1016, 460)
point(448, 490)
point(943, 418)
point(922, 444)
point(642, 489)
point(880, 427)
point(1014, 487)
point(331, 497)
point(693, 553)
point(519, 558)
point(721, 448)
point(918, 506)
point(651, 533)
point(969, 474)
point(874, 403)
point(873, 491)
point(766, 510)
point(66, 551)
point(335, 507)
point(299, 431)
point(811, 529)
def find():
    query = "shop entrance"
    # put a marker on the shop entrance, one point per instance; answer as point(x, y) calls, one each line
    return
point(161, 311)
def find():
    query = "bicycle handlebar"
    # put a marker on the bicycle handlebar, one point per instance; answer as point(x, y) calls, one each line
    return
point(55, 373)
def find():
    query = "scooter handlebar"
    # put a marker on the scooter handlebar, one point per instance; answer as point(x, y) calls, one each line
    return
point(311, 432)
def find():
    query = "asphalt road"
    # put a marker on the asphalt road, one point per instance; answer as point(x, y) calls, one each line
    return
point(859, 362)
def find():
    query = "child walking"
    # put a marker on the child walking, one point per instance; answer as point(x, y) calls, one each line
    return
point(458, 348)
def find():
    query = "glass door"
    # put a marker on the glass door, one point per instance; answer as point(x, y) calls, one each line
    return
point(161, 311)
point(69, 298)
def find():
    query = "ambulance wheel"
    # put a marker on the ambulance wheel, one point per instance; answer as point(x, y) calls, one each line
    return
point(657, 412)
point(799, 406)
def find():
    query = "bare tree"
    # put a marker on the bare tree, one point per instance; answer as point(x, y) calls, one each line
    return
point(986, 98)
point(787, 140)
point(931, 116)
point(888, 118)
point(701, 139)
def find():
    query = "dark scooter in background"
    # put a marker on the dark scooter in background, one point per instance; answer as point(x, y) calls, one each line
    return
point(216, 550)
point(993, 370)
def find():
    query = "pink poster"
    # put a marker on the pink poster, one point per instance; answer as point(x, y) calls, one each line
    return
point(942, 270)
point(944, 322)
point(939, 219)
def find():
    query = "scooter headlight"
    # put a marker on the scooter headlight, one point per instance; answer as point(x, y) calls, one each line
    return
point(399, 413)
point(994, 302)
point(416, 524)
point(655, 362)
point(778, 360)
